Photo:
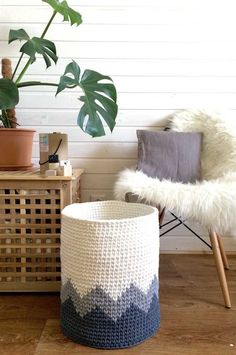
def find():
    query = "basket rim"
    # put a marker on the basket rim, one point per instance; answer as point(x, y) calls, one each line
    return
point(150, 211)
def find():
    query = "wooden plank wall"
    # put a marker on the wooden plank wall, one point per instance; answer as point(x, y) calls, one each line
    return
point(164, 55)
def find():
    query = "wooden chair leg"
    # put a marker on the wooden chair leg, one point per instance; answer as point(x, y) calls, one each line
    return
point(220, 267)
point(161, 215)
point(223, 255)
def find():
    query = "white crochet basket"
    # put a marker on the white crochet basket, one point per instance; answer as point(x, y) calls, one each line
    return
point(110, 260)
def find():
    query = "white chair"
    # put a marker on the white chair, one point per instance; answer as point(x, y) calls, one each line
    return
point(211, 201)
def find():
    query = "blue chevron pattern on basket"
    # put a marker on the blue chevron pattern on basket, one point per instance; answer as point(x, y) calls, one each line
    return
point(99, 321)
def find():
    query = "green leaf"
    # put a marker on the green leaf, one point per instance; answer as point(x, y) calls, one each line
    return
point(17, 35)
point(99, 99)
point(67, 81)
point(66, 11)
point(42, 46)
point(9, 95)
point(99, 102)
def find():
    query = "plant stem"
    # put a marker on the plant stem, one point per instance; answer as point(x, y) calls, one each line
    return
point(29, 61)
point(34, 83)
point(39, 83)
point(23, 71)
point(48, 25)
point(6, 122)
point(17, 66)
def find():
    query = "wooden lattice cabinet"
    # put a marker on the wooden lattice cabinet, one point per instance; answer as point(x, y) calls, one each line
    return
point(30, 209)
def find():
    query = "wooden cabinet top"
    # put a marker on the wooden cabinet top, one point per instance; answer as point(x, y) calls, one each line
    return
point(34, 174)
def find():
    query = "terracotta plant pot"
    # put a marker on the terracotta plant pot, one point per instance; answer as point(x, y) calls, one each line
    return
point(16, 148)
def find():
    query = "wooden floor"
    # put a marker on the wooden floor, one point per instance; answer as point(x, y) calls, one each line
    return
point(194, 320)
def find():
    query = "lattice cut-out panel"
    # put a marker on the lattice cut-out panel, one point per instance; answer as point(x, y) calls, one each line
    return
point(30, 221)
point(30, 235)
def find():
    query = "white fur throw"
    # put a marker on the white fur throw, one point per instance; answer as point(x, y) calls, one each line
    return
point(211, 202)
point(219, 139)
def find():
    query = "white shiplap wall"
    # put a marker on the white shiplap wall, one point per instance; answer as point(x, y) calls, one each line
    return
point(163, 55)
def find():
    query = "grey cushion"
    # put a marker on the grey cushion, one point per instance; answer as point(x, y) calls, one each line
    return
point(170, 155)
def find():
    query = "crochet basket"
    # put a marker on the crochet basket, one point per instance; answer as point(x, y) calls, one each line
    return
point(110, 260)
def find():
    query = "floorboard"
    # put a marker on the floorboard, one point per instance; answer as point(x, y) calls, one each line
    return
point(193, 318)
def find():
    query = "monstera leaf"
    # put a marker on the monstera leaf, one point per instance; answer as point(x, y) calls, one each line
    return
point(66, 11)
point(42, 46)
point(9, 95)
point(69, 81)
point(99, 99)
point(19, 35)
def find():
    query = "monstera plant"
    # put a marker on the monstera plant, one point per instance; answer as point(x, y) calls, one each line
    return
point(98, 96)
point(98, 93)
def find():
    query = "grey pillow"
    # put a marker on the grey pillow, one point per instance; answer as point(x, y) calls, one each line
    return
point(170, 155)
